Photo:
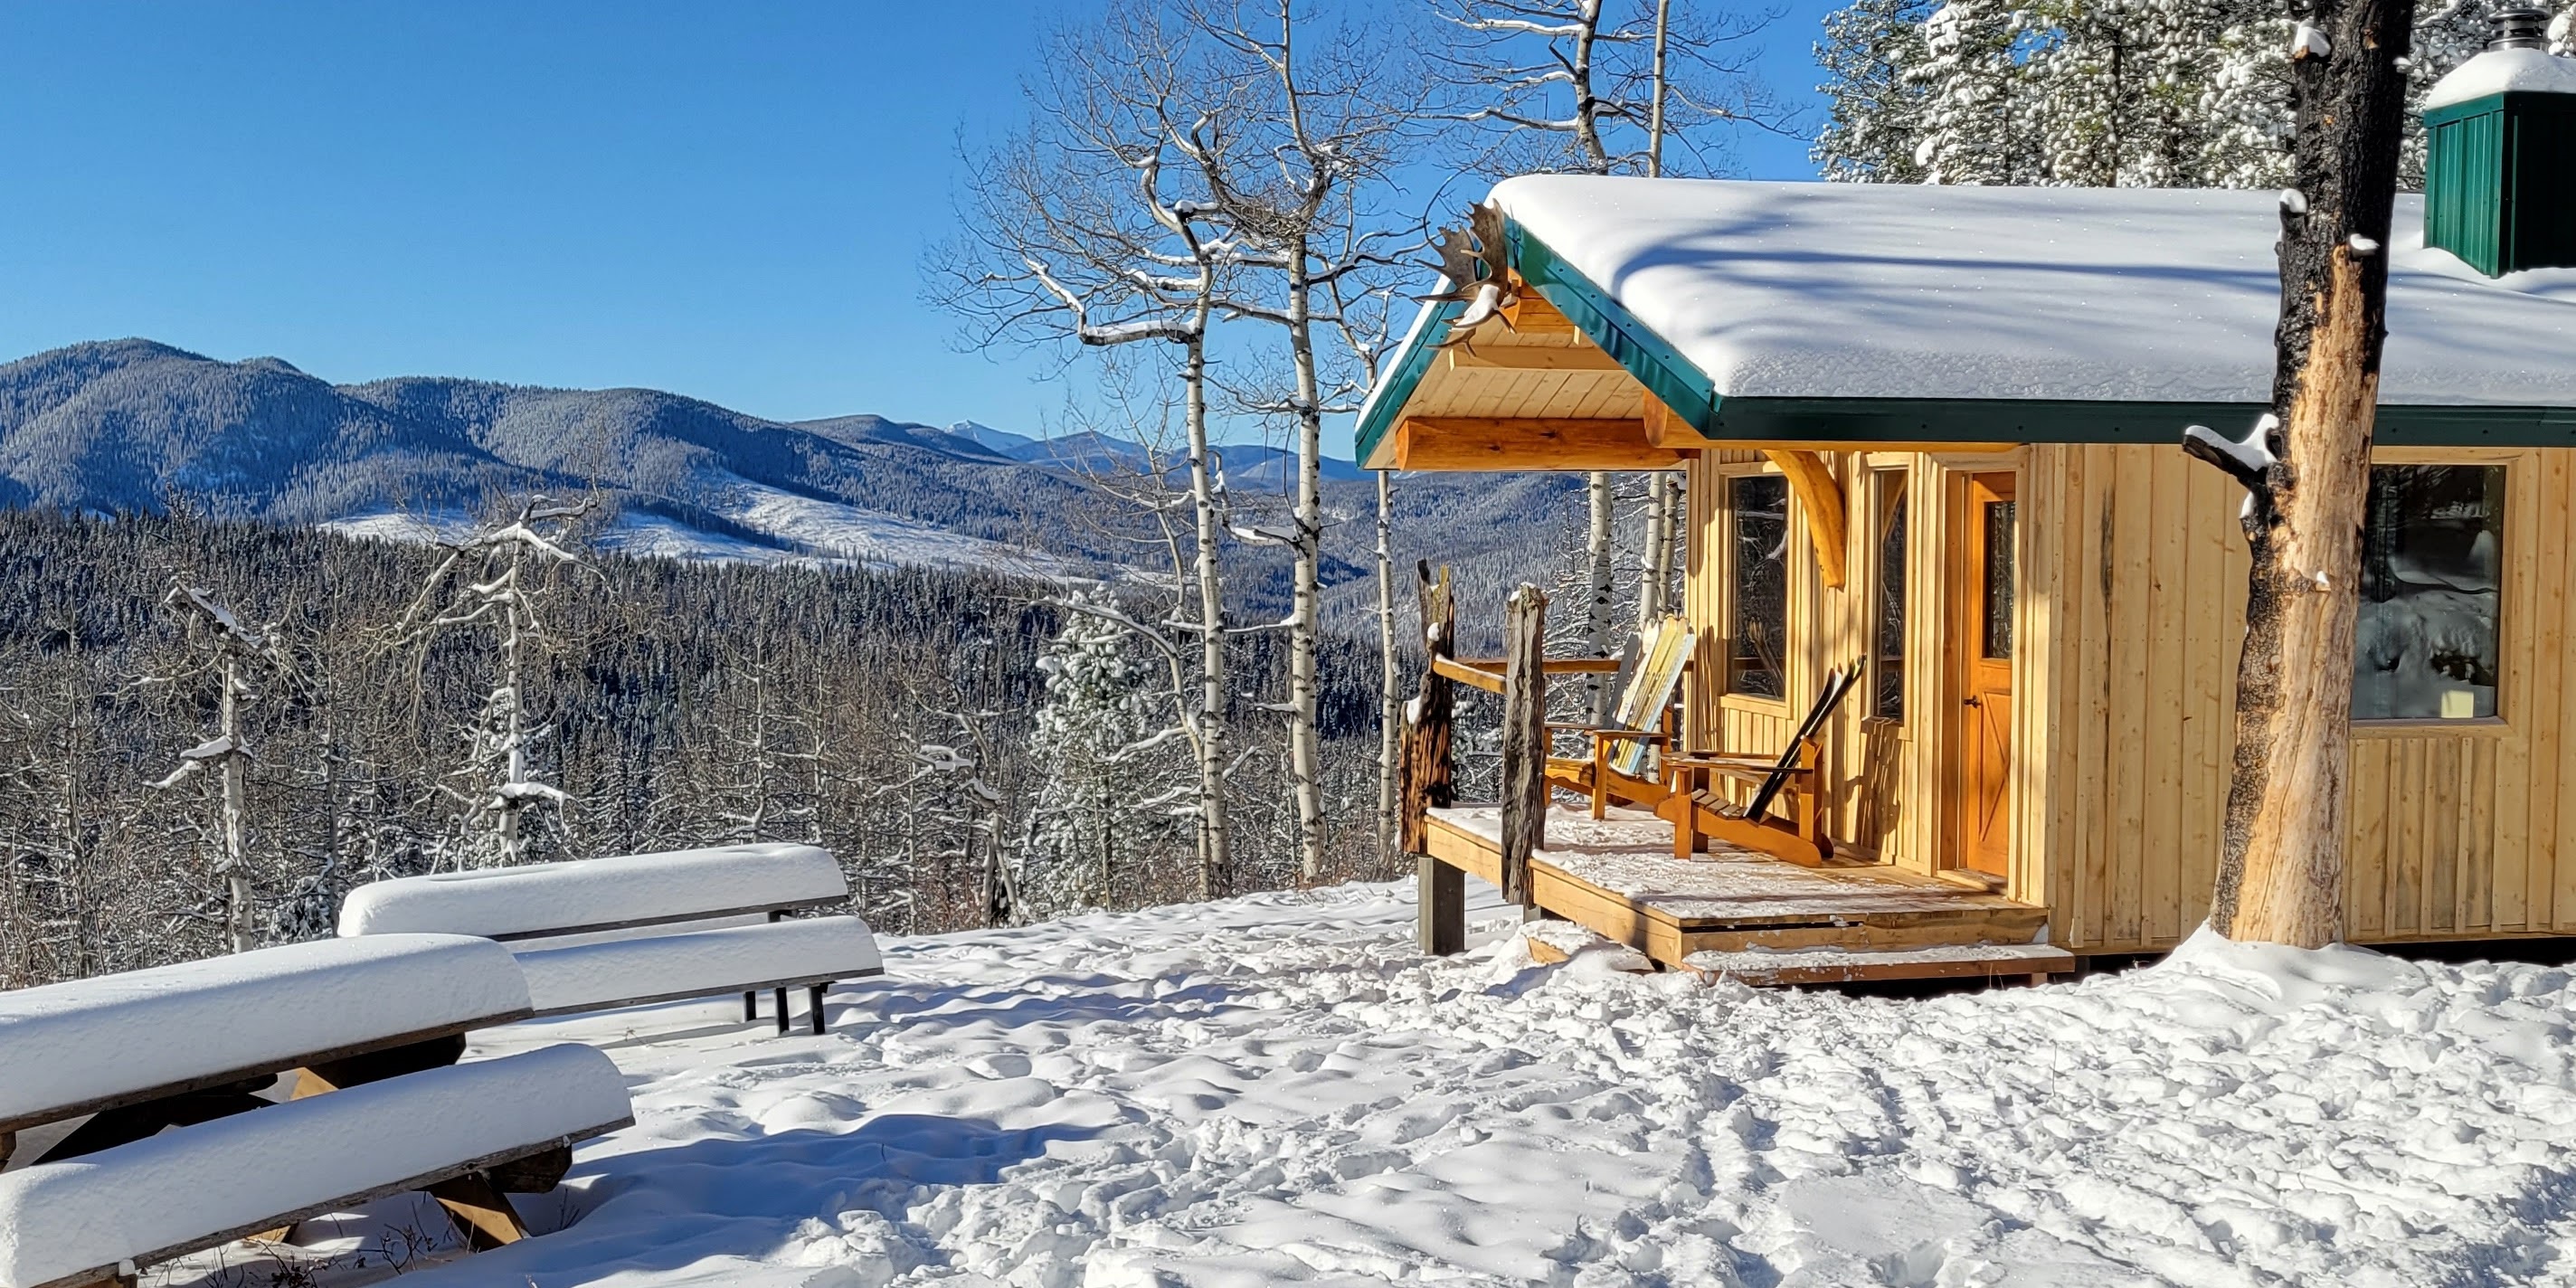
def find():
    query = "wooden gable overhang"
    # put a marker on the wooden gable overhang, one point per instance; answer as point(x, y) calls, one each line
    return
point(1456, 407)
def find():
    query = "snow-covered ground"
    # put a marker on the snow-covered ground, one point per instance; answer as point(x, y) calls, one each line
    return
point(1278, 1089)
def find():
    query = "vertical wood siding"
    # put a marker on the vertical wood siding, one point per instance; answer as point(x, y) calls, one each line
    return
point(2131, 614)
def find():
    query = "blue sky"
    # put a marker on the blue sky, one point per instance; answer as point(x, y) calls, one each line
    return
point(729, 201)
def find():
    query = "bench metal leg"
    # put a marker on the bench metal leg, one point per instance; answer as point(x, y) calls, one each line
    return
point(782, 1010)
point(751, 1006)
point(814, 1005)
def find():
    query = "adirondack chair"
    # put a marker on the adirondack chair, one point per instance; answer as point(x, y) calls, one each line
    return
point(1696, 810)
point(1622, 762)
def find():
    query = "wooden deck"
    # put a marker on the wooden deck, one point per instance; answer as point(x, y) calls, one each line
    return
point(1618, 877)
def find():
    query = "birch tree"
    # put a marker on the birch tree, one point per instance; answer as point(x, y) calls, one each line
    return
point(1081, 228)
point(2306, 469)
point(1592, 87)
point(499, 788)
point(229, 652)
point(1318, 124)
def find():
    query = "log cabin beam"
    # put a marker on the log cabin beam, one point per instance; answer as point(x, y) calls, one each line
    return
point(1527, 443)
point(1821, 496)
point(1530, 357)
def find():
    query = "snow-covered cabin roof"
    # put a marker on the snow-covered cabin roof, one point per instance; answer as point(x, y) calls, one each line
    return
point(1740, 303)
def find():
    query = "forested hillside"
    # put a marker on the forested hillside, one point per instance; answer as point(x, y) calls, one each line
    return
point(885, 713)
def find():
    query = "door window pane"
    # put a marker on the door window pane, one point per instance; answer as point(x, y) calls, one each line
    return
point(2431, 544)
point(1760, 569)
point(1889, 662)
point(1999, 579)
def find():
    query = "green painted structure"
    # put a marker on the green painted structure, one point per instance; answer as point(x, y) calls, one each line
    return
point(2500, 181)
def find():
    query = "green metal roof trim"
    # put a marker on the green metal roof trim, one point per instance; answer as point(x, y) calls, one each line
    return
point(2006, 421)
point(1383, 411)
point(1656, 365)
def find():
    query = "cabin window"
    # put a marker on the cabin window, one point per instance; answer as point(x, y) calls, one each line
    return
point(1887, 648)
point(1760, 504)
point(2431, 543)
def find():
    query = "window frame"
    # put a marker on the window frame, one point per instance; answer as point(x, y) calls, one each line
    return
point(1889, 486)
point(1729, 697)
point(2510, 609)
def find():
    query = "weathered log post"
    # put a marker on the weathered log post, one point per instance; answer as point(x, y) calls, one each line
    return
point(1524, 737)
point(1429, 775)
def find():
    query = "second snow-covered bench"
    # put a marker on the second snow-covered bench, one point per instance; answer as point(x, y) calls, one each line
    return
point(535, 906)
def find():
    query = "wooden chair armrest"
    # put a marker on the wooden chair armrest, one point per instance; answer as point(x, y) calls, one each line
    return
point(1597, 731)
point(1728, 765)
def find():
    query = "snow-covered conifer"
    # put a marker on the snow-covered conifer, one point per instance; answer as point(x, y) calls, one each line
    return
point(1105, 766)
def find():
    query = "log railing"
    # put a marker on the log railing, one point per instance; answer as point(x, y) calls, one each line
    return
point(1519, 677)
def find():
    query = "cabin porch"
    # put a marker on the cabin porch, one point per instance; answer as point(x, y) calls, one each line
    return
point(1730, 911)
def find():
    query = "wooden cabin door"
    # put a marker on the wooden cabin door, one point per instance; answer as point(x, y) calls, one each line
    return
point(1983, 591)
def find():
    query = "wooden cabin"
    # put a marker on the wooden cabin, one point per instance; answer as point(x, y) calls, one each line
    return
point(1935, 432)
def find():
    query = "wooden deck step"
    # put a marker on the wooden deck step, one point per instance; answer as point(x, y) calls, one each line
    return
point(1618, 876)
point(1771, 967)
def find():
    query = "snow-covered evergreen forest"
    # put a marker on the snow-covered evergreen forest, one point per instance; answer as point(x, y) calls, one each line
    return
point(895, 717)
point(2130, 93)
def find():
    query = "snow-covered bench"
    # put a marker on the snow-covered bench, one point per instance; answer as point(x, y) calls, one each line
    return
point(455, 1131)
point(191, 1046)
point(587, 897)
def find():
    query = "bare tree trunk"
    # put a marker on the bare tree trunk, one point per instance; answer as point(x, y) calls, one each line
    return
point(515, 755)
point(1305, 753)
point(1663, 490)
point(1216, 851)
point(1600, 552)
point(1655, 111)
point(1390, 701)
point(236, 807)
point(2307, 465)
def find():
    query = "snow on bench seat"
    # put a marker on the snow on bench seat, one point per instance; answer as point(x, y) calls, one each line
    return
point(598, 894)
point(661, 968)
point(202, 1185)
point(69, 1047)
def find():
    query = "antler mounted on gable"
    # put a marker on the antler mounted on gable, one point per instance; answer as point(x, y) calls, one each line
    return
point(1477, 261)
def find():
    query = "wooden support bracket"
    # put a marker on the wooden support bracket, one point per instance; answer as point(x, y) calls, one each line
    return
point(1666, 428)
point(1822, 499)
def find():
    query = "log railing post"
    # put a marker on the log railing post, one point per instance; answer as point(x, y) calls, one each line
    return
point(1524, 778)
point(1429, 776)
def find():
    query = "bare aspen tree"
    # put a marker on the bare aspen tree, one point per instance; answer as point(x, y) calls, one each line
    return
point(1318, 124)
point(2306, 469)
point(230, 652)
point(1582, 86)
point(500, 788)
point(1078, 228)
point(1663, 487)
point(1364, 316)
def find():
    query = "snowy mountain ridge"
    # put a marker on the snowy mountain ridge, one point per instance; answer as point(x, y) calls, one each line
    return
point(134, 425)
